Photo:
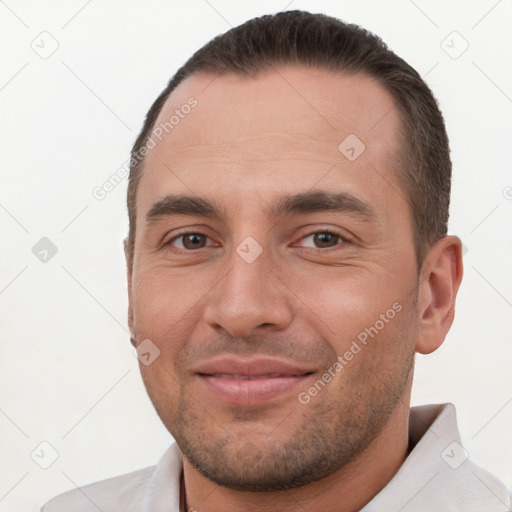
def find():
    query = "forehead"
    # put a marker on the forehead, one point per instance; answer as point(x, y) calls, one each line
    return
point(271, 130)
point(305, 102)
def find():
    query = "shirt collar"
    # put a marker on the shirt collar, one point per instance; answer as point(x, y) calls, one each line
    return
point(436, 472)
point(432, 428)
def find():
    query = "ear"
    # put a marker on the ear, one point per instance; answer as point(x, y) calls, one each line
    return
point(129, 272)
point(440, 278)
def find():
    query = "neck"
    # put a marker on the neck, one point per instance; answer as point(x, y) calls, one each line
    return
point(347, 490)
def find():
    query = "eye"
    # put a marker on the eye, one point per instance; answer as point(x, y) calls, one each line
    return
point(324, 239)
point(188, 241)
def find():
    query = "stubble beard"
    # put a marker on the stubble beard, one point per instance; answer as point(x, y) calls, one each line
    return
point(323, 443)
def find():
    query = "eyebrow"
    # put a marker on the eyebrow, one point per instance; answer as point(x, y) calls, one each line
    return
point(305, 202)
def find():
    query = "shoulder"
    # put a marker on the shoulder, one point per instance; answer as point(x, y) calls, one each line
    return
point(454, 479)
point(475, 488)
point(121, 493)
point(438, 473)
point(154, 488)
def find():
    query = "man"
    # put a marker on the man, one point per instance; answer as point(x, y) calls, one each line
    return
point(287, 257)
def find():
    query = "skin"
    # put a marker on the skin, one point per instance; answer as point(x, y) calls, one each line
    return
point(249, 141)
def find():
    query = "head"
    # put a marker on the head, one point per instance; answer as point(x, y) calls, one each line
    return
point(289, 226)
point(422, 159)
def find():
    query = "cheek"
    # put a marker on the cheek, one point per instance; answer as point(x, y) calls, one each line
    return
point(375, 350)
point(351, 304)
point(341, 303)
point(163, 389)
point(162, 298)
point(165, 311)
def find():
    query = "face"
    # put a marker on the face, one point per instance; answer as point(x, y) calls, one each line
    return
point(274, 270)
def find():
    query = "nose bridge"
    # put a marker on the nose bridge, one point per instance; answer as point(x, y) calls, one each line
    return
point(249, 295)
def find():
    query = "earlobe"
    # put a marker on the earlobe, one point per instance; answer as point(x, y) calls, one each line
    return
point(441, 276)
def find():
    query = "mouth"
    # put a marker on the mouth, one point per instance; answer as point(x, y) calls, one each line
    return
point(251, 377)
point(238, 382)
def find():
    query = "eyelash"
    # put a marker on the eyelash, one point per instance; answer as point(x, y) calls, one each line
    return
point(342, 238)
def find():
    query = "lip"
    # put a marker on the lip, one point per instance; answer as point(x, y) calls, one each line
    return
point(250, 382)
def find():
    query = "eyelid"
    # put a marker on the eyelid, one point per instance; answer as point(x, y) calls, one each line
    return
point(182, 234)
point(344, 238)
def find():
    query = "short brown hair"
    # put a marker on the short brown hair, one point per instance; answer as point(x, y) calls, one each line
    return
point(323, 42)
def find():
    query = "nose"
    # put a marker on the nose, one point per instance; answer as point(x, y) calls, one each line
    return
point(250, 297)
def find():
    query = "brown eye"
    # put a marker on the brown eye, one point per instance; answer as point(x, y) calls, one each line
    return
point(189, 241)
point(323, 239)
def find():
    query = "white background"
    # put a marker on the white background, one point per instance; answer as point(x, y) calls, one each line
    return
point(67, 372)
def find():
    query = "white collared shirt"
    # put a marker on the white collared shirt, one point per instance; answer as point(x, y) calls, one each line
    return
point(437, 476)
